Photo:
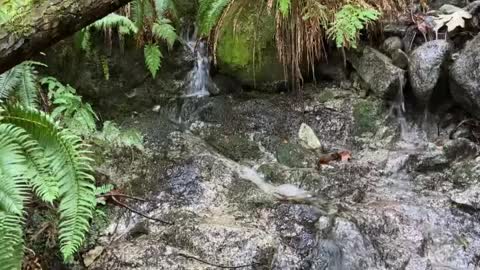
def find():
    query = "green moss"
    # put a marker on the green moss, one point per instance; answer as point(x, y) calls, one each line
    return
point(366, 113)
point(246, 45)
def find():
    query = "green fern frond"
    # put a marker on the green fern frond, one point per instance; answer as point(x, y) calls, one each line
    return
point(284, 6)
point(162, 29)
point(27, 90)
point(13, 187)
point(8, 81)
point(11, 241)
point(114, 20)
point(153, 58)
point(69, 162)
point(138, 12)
point(164, 6)
point(209, 13)
point(349, 20)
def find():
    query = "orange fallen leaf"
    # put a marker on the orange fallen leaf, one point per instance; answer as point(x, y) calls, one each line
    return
point(345, 155)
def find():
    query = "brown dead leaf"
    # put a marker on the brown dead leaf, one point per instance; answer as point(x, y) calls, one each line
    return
point(345, 156)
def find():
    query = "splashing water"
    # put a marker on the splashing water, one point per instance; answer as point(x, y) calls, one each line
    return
point(199, 77)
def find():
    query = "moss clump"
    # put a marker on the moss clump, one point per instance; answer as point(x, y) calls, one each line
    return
point(246, 45)
point(366, 114)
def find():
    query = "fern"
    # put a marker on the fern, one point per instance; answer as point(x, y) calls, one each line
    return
point(21, 82)
point(118, 138)
point(8, 81)
point(68, 163)
point(164, 6)
point(209, 13)
point(153, 58)
point(348, 23)
point(162, 29)
point(69, 107)
point(27, 89)
point(284, 6)
point(114, 20)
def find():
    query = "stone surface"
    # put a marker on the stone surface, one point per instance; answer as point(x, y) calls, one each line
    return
point(400, 59)
point(465, 77)
point(425, 68)
point(308, 138)
point(389, 214)
point(377, 70)
point(391, 45)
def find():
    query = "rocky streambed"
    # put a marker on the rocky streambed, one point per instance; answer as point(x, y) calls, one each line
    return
point(399, 203)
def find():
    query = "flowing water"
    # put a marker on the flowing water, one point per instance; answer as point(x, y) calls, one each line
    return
point(199, 77)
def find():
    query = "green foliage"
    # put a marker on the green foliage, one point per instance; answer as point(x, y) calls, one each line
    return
point(21, 83)
point(284, 6)
point(36, 152)
point(118, 138)
point(349, 20)
point(209, 13)
point(163, 30)
point(153, 58)
point(69, 107)
point(113, 20)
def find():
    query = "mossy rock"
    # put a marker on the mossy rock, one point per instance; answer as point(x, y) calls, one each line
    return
point(366, 115)
point(246, 45)
point(236, 147)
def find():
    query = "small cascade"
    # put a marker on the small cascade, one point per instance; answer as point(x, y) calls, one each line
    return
point(199, 77)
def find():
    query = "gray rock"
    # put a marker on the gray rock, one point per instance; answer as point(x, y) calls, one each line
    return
point(465, 77)
point(400, 59)
point(308, 138)
point(391, 45)
point(377, 70)
point(460, 149)
point(436, 4)
point(425, 67)
point(469, 196)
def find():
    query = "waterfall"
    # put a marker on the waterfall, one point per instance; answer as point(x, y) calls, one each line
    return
point(199, 77)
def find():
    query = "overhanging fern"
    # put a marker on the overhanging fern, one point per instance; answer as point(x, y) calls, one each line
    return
point(162, 29)
point(209, 13)
point(33, 147)
point(348, 23)
point(153, 58)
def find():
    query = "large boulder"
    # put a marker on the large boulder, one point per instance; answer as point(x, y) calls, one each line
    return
point(425, 67)
point(377, 70)
point(465, 77)
point(246, 45)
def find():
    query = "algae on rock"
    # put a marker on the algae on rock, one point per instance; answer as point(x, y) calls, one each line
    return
point(246, 44)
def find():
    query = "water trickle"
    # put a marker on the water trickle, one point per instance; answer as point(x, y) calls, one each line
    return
point(199, 77)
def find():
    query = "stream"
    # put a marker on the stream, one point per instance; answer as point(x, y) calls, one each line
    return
point(244, 191)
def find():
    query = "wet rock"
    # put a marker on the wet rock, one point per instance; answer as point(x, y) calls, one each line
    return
point(236, 147)
point(308, 138)
point(377, 70)
point(460, 149)
point(465, 78)
point(425, 67)
point(469, 197)
point(295, 156)
point(436, 4)
point(400, 59)
point(392, 44)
